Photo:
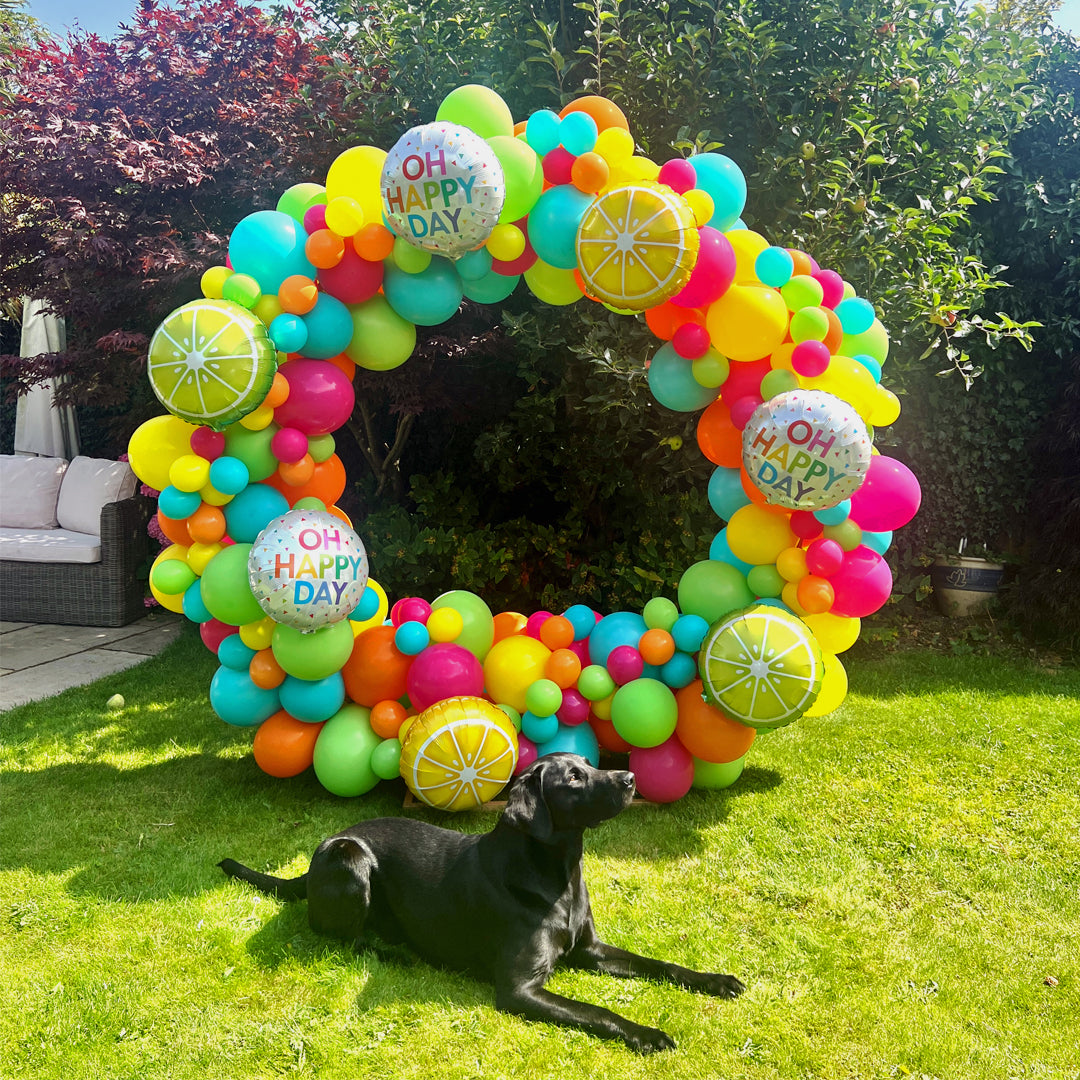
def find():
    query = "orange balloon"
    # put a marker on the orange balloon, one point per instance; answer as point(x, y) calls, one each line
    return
point(265, 671)
point(589, 173)
point(519, 127)
point(608, 737)
point(373, 242)
point(324, 249)
point(387, 718)
point(508, 623)
point(802, 262)
point(376, 670)
point(664, 319)
point(563, 668)
point(278, 393)
point(285, 746)
point(705, 731)
point(605, 112)
point(297, 294)
point(297, 473)
point(815, 594)
point(720, 440)
point(339, 513)
point(207, 524)
point(175, 529)
point(656, 647)
point(755, 494)
point(326, 484)
point(835, 333)
point(557, 632)
point(344, 364)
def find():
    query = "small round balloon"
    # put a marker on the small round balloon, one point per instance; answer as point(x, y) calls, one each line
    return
point(443, 188)
point(806, 449)
point(307, 569)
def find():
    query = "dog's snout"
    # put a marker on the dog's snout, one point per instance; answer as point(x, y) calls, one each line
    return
point(628, 781)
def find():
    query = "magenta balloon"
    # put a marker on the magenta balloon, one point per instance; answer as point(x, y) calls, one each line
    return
point(353, 280)
point(321, 398)
point(888, 498)
point(862, 584)
point(824, 557)
point(214, 632)
point(713, 272)
point(574, 708)
point(664, 773)
point(443, 671)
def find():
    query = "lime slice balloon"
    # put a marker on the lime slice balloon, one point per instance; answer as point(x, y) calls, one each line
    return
point(761, 666)
point(211, 362)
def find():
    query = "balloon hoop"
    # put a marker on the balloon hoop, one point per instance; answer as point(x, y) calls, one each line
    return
point(779, 356)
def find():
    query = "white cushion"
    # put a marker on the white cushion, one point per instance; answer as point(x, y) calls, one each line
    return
point(49, 546)
point(28, 490)
point(88, 485)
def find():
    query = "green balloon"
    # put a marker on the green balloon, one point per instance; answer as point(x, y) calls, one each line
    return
point(312, 654)
point(386, 759)
point(644, 712)
point(343, 752)
point(382, 339)
point(477, 108)
point(714, 776)
point(594, 682)
point(320, 447)
point(543, 697)
point(765, 580)
point(172, 576)
point(711, 589)
point(523, 175)
point(874, 342)
point(253, 449)
point(660, 613)
point(225, 589)
point(478, 625)
point(300, 198)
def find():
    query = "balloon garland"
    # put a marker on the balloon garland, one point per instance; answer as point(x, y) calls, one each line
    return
point(780, 357)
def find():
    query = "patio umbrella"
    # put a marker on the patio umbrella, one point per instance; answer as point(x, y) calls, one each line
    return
point(42, 427)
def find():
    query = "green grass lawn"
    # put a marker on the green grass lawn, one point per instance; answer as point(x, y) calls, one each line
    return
point(897, 883)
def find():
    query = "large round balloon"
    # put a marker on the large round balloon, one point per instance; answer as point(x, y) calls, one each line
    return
point(761, 666)
point(806, 450)
point(637, 245)
point(211, 362)
point(442, 188)
point(307, 569)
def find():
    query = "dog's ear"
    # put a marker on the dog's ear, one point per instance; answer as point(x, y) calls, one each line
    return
point(526, 808)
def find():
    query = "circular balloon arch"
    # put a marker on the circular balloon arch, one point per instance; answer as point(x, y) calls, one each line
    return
point(779, 356)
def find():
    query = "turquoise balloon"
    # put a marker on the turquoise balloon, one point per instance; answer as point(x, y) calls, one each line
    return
point(249, 512)
point(225, 589)
point(312, 700)
point(492, 288)
point(194, 608)
point(427, 298)
point(618, 628)
point(672, 382)
point(343, 752)
point(720, 551)
point(723, 180)
point(228, 475)
point(474, 265)
point(269, 246)
point(689, 631)
point(875, 541)
point(238, 701)
point(726, 493)
point(539, 729)
point(553, 224)
point(644, 712)
point(312, 654)
point(577, 133)
point(233, 653)
point(679, 671)
point(573, 739)
point(774, 266)
point(856, 315)
point(712, 589)
point(542, 131)
point(329, 328)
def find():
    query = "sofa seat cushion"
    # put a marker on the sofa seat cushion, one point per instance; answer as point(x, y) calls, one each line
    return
point(29, 488)
point(49, 546)
point(89, 484)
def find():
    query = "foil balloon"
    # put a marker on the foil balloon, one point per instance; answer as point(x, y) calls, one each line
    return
point(806, 450)
point(442, 188)
point(307, 569)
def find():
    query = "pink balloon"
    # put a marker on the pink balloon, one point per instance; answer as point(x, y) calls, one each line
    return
point(410, 609)
point(679, 175)
point(691, 341)
point(443, 671)
point(289, 445)
point(208, 443)
point(810, 358)
point(526, 754)
point(214, 632)
point(744, 380)
point(574, 709)
point(713, 272)
point(353, 280)
point(833, 285)
point(888, 497)
point(824, 557)
point(535, 621)
point(862, 584)
point(581, 650)
point(315, 218)
point(664, 773)
point(742, 409)
point(320, 400)
point(624, 664)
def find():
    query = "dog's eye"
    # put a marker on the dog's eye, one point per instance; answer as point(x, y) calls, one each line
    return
point(576, 777)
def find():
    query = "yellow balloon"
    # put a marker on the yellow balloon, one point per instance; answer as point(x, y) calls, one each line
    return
point(835, 633)
point(505, 243)
point(512, 666)
point(258, 419)
point(155, 445)
point(747, 322)
point(552, 285)
point(380, 613)
point(210, 495)
point(834, 685)
point(356, 173)
point(344, 215)
point(213, 281)
point(884, 408)
point(259, 634)
point(846, 378)
point(615, 145)
point(445, 624)
point(602, 708)
point(791, 564)
point(757, 535)
point(189, 472)
point(169, 601)
point(701, 205)
point(790, 595)
point(200, 554)
point(748, 245)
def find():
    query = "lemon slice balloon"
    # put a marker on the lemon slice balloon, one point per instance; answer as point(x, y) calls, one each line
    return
point(761, 666)
point(211, 362)
point(459, 753)
point(637, 245)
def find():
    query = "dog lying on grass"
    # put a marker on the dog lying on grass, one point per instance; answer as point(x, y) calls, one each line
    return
point(505, 906)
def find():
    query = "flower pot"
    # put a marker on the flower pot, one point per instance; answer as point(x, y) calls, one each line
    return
point(964, 586)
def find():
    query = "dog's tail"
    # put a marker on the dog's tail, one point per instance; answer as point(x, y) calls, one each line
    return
point(282, 888)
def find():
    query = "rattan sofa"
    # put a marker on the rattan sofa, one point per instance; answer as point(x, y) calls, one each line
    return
point(79, 563)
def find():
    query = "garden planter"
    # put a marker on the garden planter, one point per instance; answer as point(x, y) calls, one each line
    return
point(964, 586)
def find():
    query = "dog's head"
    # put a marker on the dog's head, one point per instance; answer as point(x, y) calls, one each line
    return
point(563, 793)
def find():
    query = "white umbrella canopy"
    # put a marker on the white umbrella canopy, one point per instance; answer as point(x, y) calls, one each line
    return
point(42, 427)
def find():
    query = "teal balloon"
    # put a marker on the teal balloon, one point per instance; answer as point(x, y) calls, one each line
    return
point(312, 654)
point(856, 315)
point(312, 700)
point(644, 712)
point(875, 541)
point(573, 739)
point(723, 180)
point(553, 224)
point(343, 752)
point(679, 671)
point(427, 298)
point(474, 265)
point(238, 701)
point(228, 475)
point(726, 493)
point(714, 776)
point(269, 245)
point(492, 288)
point(672, 382)
point(542, 131)
point(233, 653)
point(194, 608)
point(225, 589)
point(329, 328)
point(774, 266)
point(720, 551)
point(577, 133)
point(249, 512)
point(712, 589)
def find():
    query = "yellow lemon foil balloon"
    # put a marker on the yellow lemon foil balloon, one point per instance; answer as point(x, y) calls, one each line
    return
point(459, 753)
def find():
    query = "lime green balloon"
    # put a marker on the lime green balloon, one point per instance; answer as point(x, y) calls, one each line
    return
point(778, 381)
point(253, 449)
point(802, 291)
point(765, 580)
point(711, 589)
point(321, 447)
point(343, 752)
point(300, 198)
point(595, 683)
point(312, 654)
point(478, 624)
point(523, 175)
point(241, 289)
point(644, 712)
point(710, 370)
point(873, 342)
point(409, 258)
point(309, 502)
point(172, 576)
point(660, 613)
point(382, 339)
point(552, 285)
point(479, 109)
point(543, 697)
point(386, 759)
point(809, 324)
point(715, 776)
point(225, 589)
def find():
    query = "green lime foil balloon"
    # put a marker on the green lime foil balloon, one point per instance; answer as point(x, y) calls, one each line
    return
point(211, 362)
point(307, 569)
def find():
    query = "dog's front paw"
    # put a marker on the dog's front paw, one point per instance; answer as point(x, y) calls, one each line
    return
point(725, 986)
point(647, 1040)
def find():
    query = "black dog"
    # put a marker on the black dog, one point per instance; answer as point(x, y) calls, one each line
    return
point(506, 906)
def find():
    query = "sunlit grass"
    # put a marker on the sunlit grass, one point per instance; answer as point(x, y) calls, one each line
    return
point(898, 884)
